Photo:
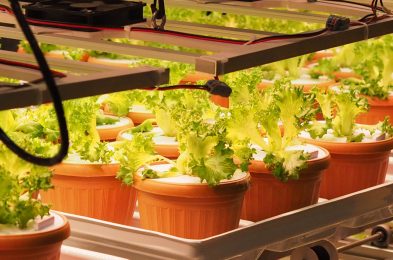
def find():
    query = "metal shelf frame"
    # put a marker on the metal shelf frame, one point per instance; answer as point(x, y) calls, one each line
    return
point(331, 220)
point(222, 58)
point(82, 80)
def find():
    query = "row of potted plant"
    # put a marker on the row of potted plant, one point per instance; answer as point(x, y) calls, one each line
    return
point(366, 67)
point(258, 132)
point(144, 128)
point(214, 151)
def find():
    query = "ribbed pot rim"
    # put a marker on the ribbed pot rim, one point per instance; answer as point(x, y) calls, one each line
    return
point(313, 165)
point(86, 170)
point(353, 148)
point(376, 102)
point(191, 190)
point(111, 127)
point(121, 138)
point(37, 238)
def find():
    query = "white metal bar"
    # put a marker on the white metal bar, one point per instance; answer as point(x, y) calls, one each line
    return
point(19, 73)
point(229, 7)
point(290, 230)
point(60, 64)
point(107, 82)
point(263, 53)
point(105, 46)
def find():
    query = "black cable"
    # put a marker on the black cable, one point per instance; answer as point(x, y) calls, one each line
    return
point(213, 86)
point(53, 91)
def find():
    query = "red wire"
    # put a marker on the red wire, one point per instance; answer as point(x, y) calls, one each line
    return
point(180, 34)
point(166, 32)
point(30, 66)
point(74, 26)
point(173, 33)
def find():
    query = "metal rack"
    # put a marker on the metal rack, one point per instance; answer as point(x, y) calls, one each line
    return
point(83, 79)
point(221, 58)
point(275, 237)
point(272, 238)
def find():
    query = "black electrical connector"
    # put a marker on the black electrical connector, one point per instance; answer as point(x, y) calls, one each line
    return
point(216, 87)
point(337, 23)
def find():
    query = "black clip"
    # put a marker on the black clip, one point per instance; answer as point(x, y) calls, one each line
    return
point(158, 14)
point(217, 87)
point(337, 23)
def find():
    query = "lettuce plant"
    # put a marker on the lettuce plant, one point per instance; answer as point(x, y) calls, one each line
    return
point(370, 59)
point(20, 180)
point(205, 149)
point(340, 109)
point(282, 104)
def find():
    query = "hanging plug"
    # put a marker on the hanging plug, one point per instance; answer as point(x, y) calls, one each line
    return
point(216, 87)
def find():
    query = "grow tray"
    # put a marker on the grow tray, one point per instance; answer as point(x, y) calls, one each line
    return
point(81, 80)
point(275, 237)
point(219, 57)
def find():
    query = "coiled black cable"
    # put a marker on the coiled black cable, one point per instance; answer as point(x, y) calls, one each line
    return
point(53, 91)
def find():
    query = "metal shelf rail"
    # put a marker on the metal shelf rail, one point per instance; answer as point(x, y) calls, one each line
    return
point(220, 58)
point(275, 237)
point(82, 79)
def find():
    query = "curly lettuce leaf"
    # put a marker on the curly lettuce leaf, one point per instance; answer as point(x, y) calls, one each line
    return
point(134, 154)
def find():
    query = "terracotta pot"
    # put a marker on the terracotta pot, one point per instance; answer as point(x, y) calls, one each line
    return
point(353, 166)
point(170, 151)
point(343, 73)
point(306, 87)
point(21, 50)
point(194, 211)
point(268, 196)
point(138, 117)
point(194, 77)
point(124, 63)
point(220, 101)
point(339, 75)
point(59, 55)
point(91, 190)
point(378, 110)
point(37, 245)
point(109, 133)
point(322, 55)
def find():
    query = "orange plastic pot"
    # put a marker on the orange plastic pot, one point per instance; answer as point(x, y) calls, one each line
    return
point(139, 117)
point(192, 211)
point(220, 101)
point(37, 245)
point(353, 166)
point(21, 50)
point(60, 55)
point(322, 55)
point(91, 190)
point(194, 77)
point(339, 75)
point(378, 110)
point(167, 150)
point(109, 133)
point(110, 62)
point(268, 196)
